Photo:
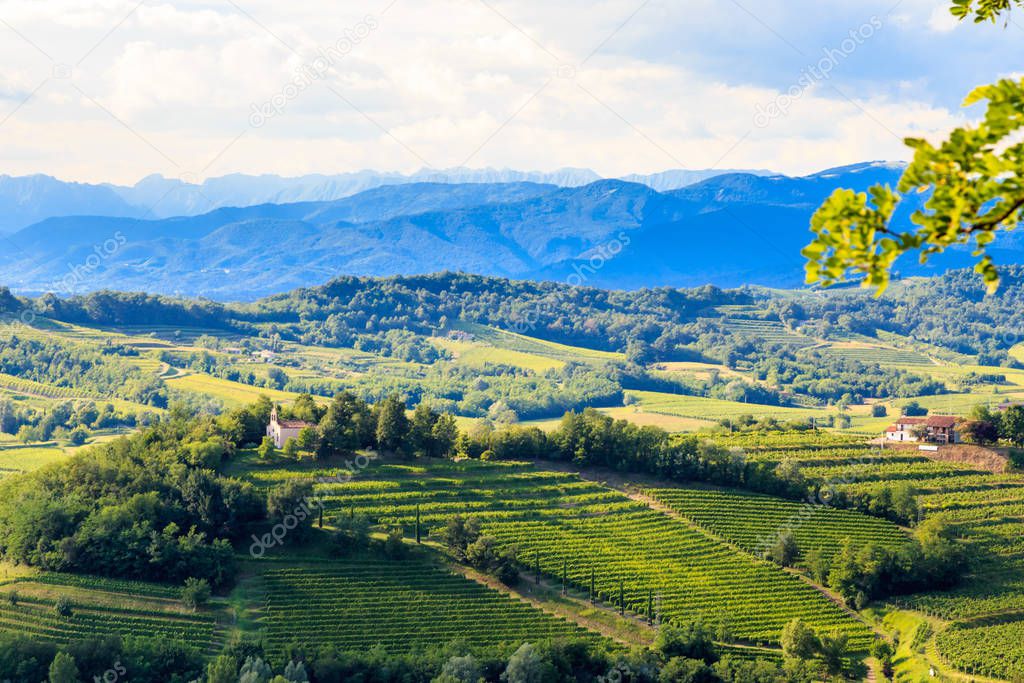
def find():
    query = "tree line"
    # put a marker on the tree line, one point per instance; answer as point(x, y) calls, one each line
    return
point(679, 654)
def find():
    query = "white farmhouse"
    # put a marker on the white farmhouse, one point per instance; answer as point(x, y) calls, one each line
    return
point(934, 428)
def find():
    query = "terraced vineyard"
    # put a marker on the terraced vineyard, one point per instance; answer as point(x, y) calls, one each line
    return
point(358, 603)
point(754, 522)
point(877, 354)
point(989, 510)
point(101, 606)
point(560, 520)
point(771, 330)
point(989, 650)
point(231, 393)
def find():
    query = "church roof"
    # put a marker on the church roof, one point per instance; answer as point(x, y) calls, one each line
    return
point(293, 424)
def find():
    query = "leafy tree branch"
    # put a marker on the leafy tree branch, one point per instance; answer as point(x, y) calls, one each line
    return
point(974, 182)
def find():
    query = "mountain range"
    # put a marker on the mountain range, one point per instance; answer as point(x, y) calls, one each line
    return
point(26, 200)
point(728, 230)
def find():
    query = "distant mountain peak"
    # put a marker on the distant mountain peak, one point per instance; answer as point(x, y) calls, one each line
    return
point(728, 230)
point(29, 199)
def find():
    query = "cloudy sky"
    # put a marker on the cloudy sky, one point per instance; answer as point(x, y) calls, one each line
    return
point(111, 90)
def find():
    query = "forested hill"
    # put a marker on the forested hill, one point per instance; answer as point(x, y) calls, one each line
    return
point(950, 311)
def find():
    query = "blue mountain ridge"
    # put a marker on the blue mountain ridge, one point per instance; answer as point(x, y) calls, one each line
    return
point(728, 230)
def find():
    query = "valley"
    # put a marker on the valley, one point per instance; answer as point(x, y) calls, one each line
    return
point(603, 557)
point(511, 342)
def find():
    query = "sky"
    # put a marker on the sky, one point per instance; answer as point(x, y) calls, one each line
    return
point(112, 91)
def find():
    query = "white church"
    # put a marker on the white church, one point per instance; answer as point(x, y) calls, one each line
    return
point(282, 430)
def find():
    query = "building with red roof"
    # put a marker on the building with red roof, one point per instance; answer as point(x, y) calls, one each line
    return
point(281, 430)
point(933, 429)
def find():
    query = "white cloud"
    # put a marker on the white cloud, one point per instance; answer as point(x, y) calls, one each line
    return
point(445, 78)
point(941, 20)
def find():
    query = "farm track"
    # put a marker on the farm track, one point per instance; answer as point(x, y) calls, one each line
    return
point(618, 483)
point(549, 603)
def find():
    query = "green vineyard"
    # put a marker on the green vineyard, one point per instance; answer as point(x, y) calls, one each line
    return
point(770, 330)
point(995, 650)
point(20, 385)
point(587, 530)
point(988, 510)
point(101, 606)
point(754, 522)
point(355, 604)
point(38, 618)
point(879, 355)
point(133, 588)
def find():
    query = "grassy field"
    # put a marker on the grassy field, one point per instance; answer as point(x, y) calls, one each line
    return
point(698, 370)
point(233, 394)
point(698, 407)
point(637, 415)
point(473, 354)
point(522, 343)
point(16, 458)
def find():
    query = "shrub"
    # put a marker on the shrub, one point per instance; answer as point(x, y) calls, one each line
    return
point(195, 593)
point(64, 607)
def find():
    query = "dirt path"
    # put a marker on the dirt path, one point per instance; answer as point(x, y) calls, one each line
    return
point(546, 596)
point(632, 487)
point(837, 601)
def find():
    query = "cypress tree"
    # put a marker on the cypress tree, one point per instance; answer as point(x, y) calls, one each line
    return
point(650, 607)
point(622, 597)
point(565, 565)
point(592, 594)
point(321, 522)
point(536, 566)
point(418, 523)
